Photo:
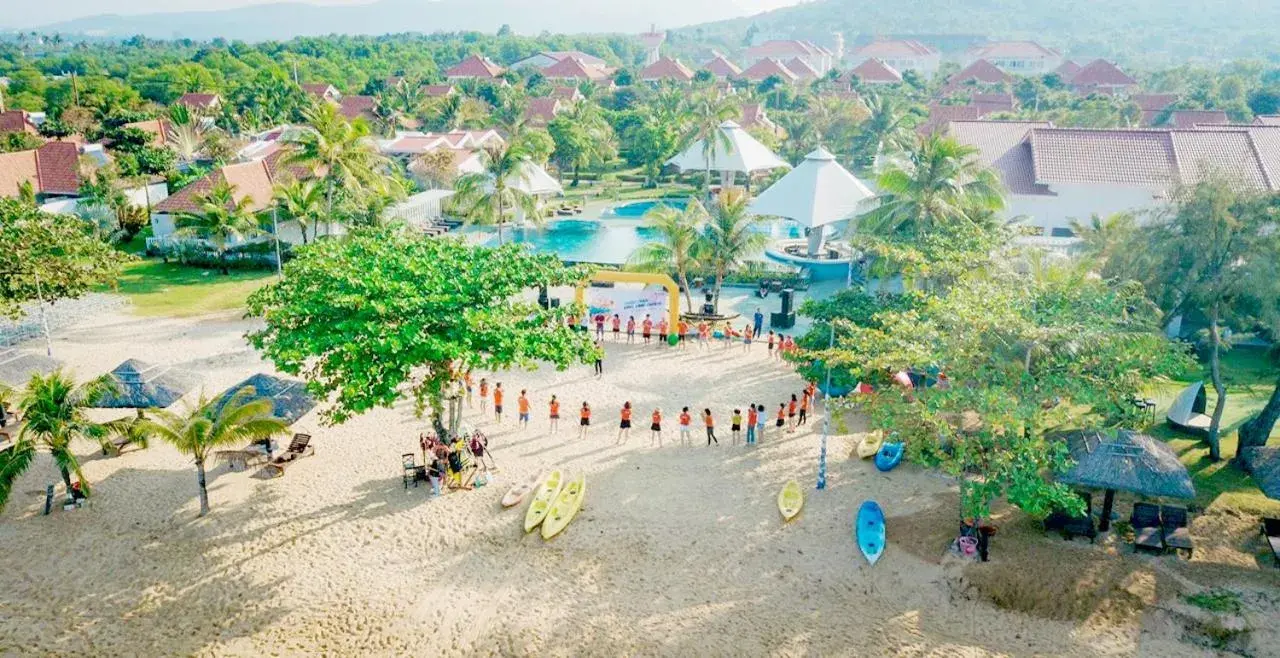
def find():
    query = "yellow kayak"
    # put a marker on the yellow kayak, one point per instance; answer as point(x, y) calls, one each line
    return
point(790, 500)
point(870, 444)
point(542, 500)
point(565, 508)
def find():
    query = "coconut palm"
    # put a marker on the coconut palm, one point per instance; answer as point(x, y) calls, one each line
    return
point(487, 196)
point(338, 152)
point(204, 426)
point(222, 221)
point(130, 430)
point(886, 131)
point(53, 413)
point(704, 115)
point(939, 181)
point(302, 202)
point(454, 112)
point(674, 245)
point(730, 237)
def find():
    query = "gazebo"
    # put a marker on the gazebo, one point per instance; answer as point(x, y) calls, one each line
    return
point(738, 152)
point(1125, 461)
point(141, 385)
point(534, 181)
point(16, 366)
point(289, 398)
point(816, 193)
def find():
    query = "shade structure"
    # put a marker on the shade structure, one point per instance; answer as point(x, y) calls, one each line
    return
point(741, 154)
point(141, 385)
point(817, 192)
point(533, 179)
point(1187, 411)
point(289, 398)
point(17, 366)
point(1264, 468)
point(1126, 461)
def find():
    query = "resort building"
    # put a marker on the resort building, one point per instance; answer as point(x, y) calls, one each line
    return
point(357, 107)
point(568, 94)
point(463, 145)
point(941, 116)
point(720, 67)
point(874, 72)
point(666, 68)
point(548, 58)
point(438, 91)
point(541, 111)
point(1153, 106)
point(1190, 119)
point(652, 40)
point(978, 73)
point(993, 103)
point(17, 121)
point(1101, 77)
point(51, 171)
point(817, 57)
point(202, 103)
point(1017, 57)
point(572, 70)
point(802, 69)
point(900, 55)
point(767, 68)
point(324, 91)
point(1057, 175)
point(475, 67)
point(159, 129)
point(755, 118)
point(1067, 70)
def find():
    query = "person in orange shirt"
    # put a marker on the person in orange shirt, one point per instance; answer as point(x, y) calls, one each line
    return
point(584, 420)
point(497, 402)
point(662, 331)
point(685, 421)
point(484, 396)
point(746, 338)
point(804, 407)
point(711, 426)
point(646, 330)
point(791, 414)
point(752, 417)
point(631, 329)
point(812, 390)
point(704, 334)
point(655, 428)
point(624, 427)
point(522, 406)
point(617, 328)
point(683, 328)
point(782, 415)
point(555, 415)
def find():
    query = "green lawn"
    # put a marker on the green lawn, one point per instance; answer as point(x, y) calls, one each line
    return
point(160, 289)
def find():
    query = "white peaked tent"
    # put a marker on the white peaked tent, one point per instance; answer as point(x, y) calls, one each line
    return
point(534, 181)
point(814, 194)
point(744, 154)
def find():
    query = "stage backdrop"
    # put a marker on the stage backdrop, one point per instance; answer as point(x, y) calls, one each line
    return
point(626, 302)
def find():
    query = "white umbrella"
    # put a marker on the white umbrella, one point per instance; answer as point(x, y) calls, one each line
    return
point(744, 154)
point(814, 194)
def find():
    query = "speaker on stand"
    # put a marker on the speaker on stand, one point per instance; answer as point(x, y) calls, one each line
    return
point(785, 319)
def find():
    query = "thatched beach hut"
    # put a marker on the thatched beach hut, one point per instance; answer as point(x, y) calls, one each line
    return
point(141, 385)
point(1125, 460)
point(289, 398)
point(17, 366)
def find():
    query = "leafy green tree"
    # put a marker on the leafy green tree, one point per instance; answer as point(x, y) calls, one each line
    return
point(582, 138)
point(731, 236)
point(19, 141)
point(222, 221)
point(887, 131)
point(703, 116)
point(387, 314)
point(53, 411)
point(339, 153)
point(302, 202)
point(205, 426)
point(487, 197)
point(675, 244)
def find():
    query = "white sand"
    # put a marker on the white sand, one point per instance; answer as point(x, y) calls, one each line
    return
point(679, 551)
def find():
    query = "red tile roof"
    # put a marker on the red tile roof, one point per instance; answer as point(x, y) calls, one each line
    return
point(572, 68)
point(321, 90)
point(895, 48)
point(766, 68)
point(199, 101)
point(254, 180)
point(1154, 102)
point(874, 71)
point(474, 66)
point(58, 165)
point(1187, 119)
point(1101, 73)
point(159, 129)
point(541, 111)
point(992, 103)
point(1011, 49)
point(352, 107)
point(721, 67)
point(754, 116)
point(942, 115)
point(979, 72)
point(438, 91)
point(666, 68)
point(1267, 120)
point(1067, 70)
point(16, 121)
point(802, 69)
point(589, 59)
point(567, 94)
point(1003, 146)
point(779, 48)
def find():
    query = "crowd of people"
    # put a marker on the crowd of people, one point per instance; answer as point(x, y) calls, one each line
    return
point(704, 332)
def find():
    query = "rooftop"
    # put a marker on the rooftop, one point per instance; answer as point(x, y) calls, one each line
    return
point(54, 168)
point(1101, 73)
point(572, 68)
point(802, 69)
point(667, 68)
point(981, 72)
point(873, 70)
point(767, 68)
point(1012, 50)
point(894, 48)
point(721, 67)
point(474, 66)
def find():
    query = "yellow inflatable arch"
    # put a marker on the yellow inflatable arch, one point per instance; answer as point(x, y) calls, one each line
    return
point(673, 292)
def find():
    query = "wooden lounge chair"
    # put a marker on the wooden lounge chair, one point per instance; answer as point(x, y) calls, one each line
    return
point(1074, 526)
point(299, 447)
point(1145, 520)
point(1271, 530)
point(1173, 523)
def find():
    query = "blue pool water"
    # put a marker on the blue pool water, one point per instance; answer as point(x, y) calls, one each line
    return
point(638, 209)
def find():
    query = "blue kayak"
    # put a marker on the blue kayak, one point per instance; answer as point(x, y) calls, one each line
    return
point(889, 455)
point(869, 530)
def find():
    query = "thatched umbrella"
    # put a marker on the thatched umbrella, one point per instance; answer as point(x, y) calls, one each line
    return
point(1264, 468)
point(16, 367)
point(140, 385)
point(1126, 461)
point(289, 398)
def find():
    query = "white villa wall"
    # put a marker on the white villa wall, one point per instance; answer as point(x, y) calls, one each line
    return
point(1079, 203)
point(923, 65)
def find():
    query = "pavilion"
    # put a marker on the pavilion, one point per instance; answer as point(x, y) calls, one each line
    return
point(736, 151)
point(815, 194)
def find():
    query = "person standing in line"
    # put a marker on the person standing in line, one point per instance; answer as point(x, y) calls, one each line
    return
point(704, 335)
point(624, 427)
point(746, 338)
point(484, 396)
point(791, 414)
point(812, 390)
point(757, 322)
point(647, 329)
point(735, 426)
point(617, 328)
point(497, 402)
point(711, 426)
point(662, 331)
point(631, 330)
point(655, 427)
point(770, 343)
point(728, 334)
point(782, 416)
point(599, 359)
point(804, 407)
point(600, 326)
point(752, 417)
point(683, 328)
point(584, 420)
point(685, 421)
point(761, 421)
point(522, 408)
point(555, 415)
point(468, 382)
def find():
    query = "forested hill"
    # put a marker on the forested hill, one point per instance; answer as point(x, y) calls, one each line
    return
point(1130, 30)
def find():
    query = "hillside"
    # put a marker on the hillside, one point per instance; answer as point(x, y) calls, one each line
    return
point(1130, 30)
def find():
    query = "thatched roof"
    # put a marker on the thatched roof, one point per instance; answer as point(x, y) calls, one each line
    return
point(141, 385)
point(289, 398)
point(1127, 461)
point(16, 367)
point(1264, 468)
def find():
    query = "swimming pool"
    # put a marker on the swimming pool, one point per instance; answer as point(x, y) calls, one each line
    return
point(638, 209)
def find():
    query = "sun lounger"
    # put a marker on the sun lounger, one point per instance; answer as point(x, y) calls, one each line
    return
point(1074, 526)
point(1271, 530)
point(299, 447)
point(1145, 520)
point(1173, 522)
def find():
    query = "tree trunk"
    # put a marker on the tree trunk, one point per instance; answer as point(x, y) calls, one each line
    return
point(1215, 373)
point(204, 487)
point(1255, 432)
point(437, 417)
point(500, 218)
point(66, 478)
point(719, 282)
point(688, 295)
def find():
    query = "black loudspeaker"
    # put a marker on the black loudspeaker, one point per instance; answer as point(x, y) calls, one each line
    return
point(782, 320)
point(787, 294)
point(543, 300)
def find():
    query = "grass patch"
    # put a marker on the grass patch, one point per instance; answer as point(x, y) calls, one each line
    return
point(160, 289)
point(1216, 600)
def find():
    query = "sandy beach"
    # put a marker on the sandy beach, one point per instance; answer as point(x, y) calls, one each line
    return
point(679, 550)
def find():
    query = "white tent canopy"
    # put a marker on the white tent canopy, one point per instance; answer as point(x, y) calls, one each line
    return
point(814, 194)
point(744, 154)
point(534, 180)
point(1187, 410)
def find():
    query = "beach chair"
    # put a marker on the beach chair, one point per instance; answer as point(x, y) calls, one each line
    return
point(1173, 523)
point(1074, 526)
point(299, 447)
point(1145, 520)
point(413, 473)
point(1271, 530)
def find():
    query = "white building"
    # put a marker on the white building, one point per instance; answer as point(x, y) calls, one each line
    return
point(818, 58)
point(900, 55)
point(549, 58)
point(1020, 57)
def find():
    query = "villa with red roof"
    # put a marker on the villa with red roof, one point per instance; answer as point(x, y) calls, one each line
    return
point(817, 57)
point(666, 68)
point(475, 67)
point(201, 102)
point(1102, 77)
point(52, 171)
point(573, 70)
point(1067, 70)
point(767, 68)
point(17, 121)
point(353, 107)
point(438, 91)
point(977, 74)
point(541, 111)
point(323, 91)
point(567, 94)
point(721, 67)
point(802, 69)
point(1189, 119)
point(875, 72)
point(1017, 57)
point(754, 117)
point(900, 55)
point(549, 58)
point(1153, 106)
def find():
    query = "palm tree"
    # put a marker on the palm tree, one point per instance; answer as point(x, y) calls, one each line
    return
point(1103, 237)
point(730, 237)
point(674, 245)
point(53, 411)
point(302, 202)
point(453, 112)
point(886, 131)
point(338, 152)
point(940, 181)
point(705, 114)
point(205, 426)
point(485, 197)
point(221, 221)
point(130, 430)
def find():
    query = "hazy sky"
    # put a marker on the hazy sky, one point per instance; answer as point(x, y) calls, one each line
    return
point(25, 13)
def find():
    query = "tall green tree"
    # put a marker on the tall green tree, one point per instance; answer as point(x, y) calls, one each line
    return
point(221, 220)
point(388, 314)
point(674, 245)
point(205, 426)
point(582, 138)
point(340, 153)
point(703, 116)
point(303, 202)
point(887, 131)
point(487, 197)
point(731, 236)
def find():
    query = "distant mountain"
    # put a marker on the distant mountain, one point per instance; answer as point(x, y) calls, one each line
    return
point(1124, 29)
point(290, 19)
